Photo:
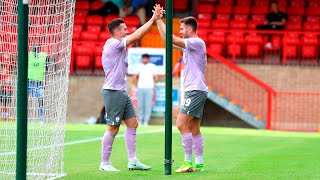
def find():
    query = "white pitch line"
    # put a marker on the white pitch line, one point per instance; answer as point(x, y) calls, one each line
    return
point(118, 136)
point(83, 141)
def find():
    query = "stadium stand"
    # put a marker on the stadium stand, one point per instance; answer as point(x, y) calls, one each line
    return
point(218, 19)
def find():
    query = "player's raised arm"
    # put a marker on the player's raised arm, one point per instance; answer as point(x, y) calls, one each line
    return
point(177, 42)
point(140, 32)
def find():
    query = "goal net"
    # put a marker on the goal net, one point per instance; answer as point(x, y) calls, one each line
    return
point(49, 51)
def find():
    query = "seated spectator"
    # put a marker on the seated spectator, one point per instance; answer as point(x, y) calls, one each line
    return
point(110, 7)
point(275, 20)
point(137, 7)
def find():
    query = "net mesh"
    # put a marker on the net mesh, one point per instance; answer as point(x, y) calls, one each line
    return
point(50, 38)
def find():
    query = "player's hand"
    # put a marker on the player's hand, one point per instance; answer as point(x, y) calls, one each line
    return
point(157, 12)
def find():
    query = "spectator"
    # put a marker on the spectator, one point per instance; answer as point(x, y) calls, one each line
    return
point(137, 7)
point(145, 79)
point(275, 20)
point(110, 7)
point(37, 67)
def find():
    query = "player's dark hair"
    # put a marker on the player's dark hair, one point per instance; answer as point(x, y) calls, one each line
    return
point(190, 21)
point(114, 24)
point(145, 56)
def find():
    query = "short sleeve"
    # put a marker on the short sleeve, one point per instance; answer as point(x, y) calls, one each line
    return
point(191, 44)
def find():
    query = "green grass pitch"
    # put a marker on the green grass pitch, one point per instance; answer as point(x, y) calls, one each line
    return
point(228, 154)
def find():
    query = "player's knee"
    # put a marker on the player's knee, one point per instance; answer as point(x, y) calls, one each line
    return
point(113, 129)
point(181, 125)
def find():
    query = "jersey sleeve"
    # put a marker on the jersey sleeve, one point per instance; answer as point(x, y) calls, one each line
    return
point(192, 44)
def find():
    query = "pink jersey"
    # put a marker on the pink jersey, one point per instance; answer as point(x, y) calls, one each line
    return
point(115, 64)
point(195, 60)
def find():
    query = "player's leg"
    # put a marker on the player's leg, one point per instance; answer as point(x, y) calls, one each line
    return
point(114, 108)
point(194, 126)
point(187, 141)
point(148, 106)
point(141, 105)
point(199, 100)
point(131, 121)
point(39, 95)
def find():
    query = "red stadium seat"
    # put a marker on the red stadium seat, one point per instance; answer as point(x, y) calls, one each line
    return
point(206, 1)
point(312, 11)
point(216, 48)
point(241, 10)
point(241, 17)
point(291, 43)
point(244, 3)
point(95, 5)
point(297, 3)
point(311, 26)
point(298, 11)
point(104, 35)
point(80, 20)
point(109, 18)
point(263, 3)
point(313, 19)
point(203, 34)
point(77, 28)
point(94, 28)
point(295, 18)
point(94, 20)
point(97, 53)
point(83, 13)
point(259, 10)
point(224, 17)
point(258, 18)
point(203, 24)
point(293, 26)
point(220, 24)
point(132, 29)
point(205, 8)
point(180, 6)
point(205, 16)
point(234, 24)
point(83, 5)
point(253, 45)
point(132, 21)
point(83, 57)
point(217, 37)
point(314, 3)
point(88, 36)
point(234, 44)
point(226, 2)
point(76, 36)
point(223, 9)
point(309, 49)
point(253, 24)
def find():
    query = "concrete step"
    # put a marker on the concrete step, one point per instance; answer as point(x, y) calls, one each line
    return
point(235, 109)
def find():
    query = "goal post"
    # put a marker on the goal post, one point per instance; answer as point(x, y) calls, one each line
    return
point(45, 87)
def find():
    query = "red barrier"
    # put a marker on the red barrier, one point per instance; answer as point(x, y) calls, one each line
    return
point(293, 111)
point(296, 111)
point(240, 87)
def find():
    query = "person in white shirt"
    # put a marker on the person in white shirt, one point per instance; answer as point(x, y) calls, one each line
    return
point(145, 78)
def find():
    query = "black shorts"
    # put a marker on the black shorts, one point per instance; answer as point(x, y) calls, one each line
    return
point(118, 106)
point(193, 103)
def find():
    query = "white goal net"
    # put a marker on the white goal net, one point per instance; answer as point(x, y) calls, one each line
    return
point(50, 39)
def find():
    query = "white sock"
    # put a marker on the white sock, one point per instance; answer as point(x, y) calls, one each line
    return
point(199, 160)
point(188, 157)
point(104, 163)
point(133, 160)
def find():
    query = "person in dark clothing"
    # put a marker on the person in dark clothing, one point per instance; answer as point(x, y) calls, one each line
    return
point(275, 20)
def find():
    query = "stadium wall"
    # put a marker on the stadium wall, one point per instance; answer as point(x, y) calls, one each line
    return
point(287, 78)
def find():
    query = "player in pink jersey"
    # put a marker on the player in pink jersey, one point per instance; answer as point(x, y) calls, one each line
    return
point(191, 111)
point(118, 104)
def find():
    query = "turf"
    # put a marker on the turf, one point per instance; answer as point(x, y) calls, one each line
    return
point(229, 154)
